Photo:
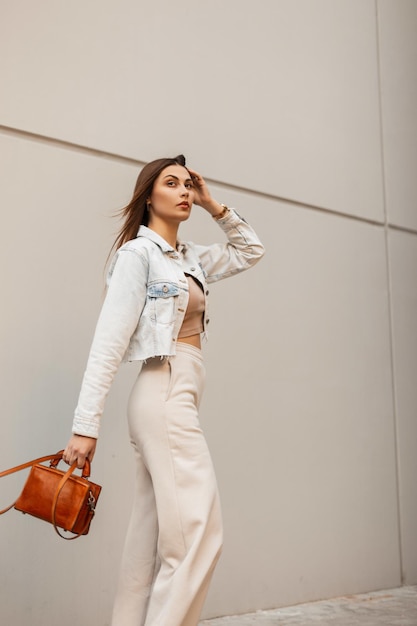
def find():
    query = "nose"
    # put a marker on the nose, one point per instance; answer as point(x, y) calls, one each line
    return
point(185, 191)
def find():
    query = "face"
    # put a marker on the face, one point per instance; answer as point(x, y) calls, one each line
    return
point(172, 195)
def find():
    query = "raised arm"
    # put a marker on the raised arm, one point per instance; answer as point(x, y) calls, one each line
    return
point(243, 247)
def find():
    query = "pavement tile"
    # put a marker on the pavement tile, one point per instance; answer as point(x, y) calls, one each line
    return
point(393, 607)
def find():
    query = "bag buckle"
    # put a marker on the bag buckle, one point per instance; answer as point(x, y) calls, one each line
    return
point(91, 502)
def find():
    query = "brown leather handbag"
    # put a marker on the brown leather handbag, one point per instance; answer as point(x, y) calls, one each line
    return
point(61, 498)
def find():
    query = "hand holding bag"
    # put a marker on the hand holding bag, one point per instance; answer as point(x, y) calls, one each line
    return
point(61, 498)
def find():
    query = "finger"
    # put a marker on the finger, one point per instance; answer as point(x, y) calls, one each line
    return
point(70, 456)
point(196, 177)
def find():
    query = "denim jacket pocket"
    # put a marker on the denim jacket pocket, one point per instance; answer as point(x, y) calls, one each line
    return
point(161, 298)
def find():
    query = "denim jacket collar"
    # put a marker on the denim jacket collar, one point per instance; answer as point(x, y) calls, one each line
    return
point(145, 231)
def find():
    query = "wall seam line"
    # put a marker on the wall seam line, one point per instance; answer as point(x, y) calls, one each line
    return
point(64, 144)
point(387, 228)
point(402, 229)
point(69, 145)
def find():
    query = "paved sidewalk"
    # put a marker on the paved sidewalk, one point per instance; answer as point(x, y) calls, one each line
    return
point(393, 607)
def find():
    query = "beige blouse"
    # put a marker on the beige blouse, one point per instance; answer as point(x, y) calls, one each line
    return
point(193, 319)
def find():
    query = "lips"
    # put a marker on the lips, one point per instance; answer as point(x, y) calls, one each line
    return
point(185, 205)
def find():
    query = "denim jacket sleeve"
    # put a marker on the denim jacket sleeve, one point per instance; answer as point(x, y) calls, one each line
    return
point(119, 316)
point(241, 250)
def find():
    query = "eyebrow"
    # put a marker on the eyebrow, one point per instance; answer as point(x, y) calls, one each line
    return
point(176, 177)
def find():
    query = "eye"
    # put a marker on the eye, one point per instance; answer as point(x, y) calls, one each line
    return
point(189, 185)
point(171, 183)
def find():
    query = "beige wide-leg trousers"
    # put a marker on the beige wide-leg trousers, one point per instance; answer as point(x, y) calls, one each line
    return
point(175, 534)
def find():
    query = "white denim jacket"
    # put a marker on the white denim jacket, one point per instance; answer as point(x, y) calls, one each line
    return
point(146, 300)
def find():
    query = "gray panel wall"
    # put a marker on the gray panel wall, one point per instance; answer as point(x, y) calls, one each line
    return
point(302, 115)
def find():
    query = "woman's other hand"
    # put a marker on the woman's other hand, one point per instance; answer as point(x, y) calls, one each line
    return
point(79, 448)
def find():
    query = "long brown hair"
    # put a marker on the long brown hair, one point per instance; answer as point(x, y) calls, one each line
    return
point(136, 212)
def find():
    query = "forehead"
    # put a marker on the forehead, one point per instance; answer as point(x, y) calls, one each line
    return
point(179, 171)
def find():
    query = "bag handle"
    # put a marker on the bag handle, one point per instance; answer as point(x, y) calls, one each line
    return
point(61, 484)
point(54, 458)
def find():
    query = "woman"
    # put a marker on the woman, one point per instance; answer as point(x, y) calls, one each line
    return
point(155, 312)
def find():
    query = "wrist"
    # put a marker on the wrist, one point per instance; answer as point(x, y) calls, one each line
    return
point(213, 207)
point(224, 210)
